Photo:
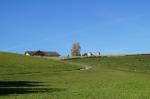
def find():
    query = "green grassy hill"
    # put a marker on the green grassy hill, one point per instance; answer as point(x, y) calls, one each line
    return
point(118, 77)
point(15, 63)
point(133, 63)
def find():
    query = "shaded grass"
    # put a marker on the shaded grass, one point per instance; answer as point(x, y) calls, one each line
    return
point(24, 87)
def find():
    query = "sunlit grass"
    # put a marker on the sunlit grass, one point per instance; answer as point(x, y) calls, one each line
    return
point(123, 77)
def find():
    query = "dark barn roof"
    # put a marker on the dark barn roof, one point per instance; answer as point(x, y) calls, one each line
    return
point(51, 54)
point(45, 53)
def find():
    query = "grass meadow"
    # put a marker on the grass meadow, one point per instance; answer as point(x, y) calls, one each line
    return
point(118, 77)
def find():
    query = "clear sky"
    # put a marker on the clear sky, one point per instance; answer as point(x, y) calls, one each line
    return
point(109, 26)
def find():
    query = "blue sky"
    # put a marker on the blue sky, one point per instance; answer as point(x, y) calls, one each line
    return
point(109, 26)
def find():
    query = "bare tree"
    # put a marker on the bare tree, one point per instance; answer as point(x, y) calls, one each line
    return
point(75, 50)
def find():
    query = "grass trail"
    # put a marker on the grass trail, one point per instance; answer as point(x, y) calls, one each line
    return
point(85, 67)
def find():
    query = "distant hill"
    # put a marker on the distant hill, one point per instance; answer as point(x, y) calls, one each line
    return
point(136, 63)
point(15, 63)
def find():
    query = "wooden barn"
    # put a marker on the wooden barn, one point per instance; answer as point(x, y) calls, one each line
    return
point(42, 53)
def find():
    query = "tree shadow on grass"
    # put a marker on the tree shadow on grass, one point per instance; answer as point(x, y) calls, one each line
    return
point(20, 84)
point(24, 87)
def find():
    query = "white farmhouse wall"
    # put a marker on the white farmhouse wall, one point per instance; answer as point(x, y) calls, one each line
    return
point(89, 54)
point(27, 54)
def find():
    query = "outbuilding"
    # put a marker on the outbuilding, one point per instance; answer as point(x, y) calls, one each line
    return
point(42, 53)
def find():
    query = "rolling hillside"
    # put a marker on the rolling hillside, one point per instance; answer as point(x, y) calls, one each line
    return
point(118, 77)
point(15, 63)
point(133, 63)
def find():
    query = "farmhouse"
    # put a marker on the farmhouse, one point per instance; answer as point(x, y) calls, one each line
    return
point(89, 54)
point(42, 53)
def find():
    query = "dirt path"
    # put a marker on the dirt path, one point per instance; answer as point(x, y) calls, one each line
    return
point(85, 67)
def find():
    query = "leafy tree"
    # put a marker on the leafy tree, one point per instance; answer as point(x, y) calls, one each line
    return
point(75, 50)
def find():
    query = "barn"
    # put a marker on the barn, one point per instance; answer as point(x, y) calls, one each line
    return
point(42, 53)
